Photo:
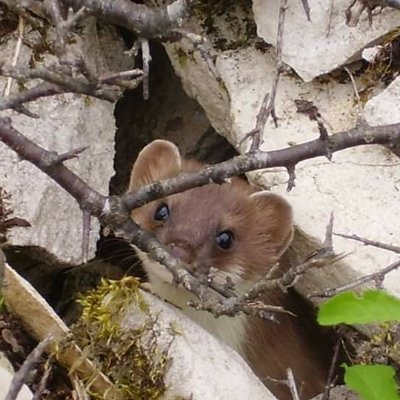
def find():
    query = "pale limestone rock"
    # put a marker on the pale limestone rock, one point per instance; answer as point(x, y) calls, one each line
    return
point(360, 186)
point(318, 46)
point(385, 107)
point(66, 122)
point(202, 368)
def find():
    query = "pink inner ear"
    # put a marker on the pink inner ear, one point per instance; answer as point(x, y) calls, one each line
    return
point(157, 161)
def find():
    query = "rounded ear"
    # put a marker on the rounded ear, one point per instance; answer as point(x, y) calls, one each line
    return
point(158, 160)
point(276, 217)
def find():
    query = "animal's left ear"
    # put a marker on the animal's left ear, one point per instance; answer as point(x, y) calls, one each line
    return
point(159, 160)
point(276, 218)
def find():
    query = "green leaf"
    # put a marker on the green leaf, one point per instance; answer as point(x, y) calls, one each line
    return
point(372, 382)
point(350, 308)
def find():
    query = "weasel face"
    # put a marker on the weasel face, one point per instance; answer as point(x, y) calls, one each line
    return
point(227, 227)
point(240, 234)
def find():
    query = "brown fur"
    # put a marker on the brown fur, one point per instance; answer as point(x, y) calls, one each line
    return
point(262, 228)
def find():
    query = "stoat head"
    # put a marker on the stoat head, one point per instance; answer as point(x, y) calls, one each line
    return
point(230, 227)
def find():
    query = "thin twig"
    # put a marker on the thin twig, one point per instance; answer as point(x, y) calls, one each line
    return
point(332, 369)
point(43, 381)
point(29, 363)
point(198, 43)
point(368, 242)
point(114, 211)
point(328, 233)
point(288, 157)
point(354, 84)
point(112, 78)
point(375, 276)
point(85, 236)
point(292, 384)
point(146, 58)
point(18, 46)
point(268, 104)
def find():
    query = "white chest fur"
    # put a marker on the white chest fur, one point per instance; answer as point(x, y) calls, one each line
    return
point(230, 330)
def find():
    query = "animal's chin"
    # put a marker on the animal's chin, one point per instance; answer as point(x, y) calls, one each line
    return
point(158, 272)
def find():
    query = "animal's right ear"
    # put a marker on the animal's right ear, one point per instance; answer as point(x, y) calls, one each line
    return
point(159, 160)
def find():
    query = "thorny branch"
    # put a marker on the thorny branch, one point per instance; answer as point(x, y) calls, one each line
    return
point(376, 277)
point(57, 82)
point(144, 21)
point(21, 375)
point(114, 211)
point(368, 242)
point(268, 104)
point(330, 383)
point(288, 157)
point(357, 7)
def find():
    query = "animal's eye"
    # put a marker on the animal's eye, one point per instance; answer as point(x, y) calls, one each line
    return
point(225, 239)
point(161, 213)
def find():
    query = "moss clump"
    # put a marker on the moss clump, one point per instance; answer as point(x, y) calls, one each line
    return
point(382, 347)
point(130, 358)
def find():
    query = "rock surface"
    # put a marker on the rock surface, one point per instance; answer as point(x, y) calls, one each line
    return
point(66, 122)
point(325, 42)
point(360, 186)
point(202, 368)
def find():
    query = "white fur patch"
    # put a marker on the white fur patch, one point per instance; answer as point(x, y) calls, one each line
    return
point(230, 330)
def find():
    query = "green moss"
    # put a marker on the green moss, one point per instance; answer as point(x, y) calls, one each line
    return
point(130, 358)
point(228, 24)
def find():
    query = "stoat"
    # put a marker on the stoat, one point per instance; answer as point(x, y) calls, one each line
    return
point(240, 233)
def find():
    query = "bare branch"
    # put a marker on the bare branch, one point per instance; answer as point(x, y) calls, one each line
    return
point(21, 375)
point(354, 84)
point(146, 57)
point(112, 211)
point(292, 384)
point(247, 302)
point(144, 21)
point(393, 3)
point(15, 101)
point(292, 177)
point(309, 109)
point(18, 46)
point(306, 7)
point(332, 368)
point(198, 43)
point(85, 236)
point(115, 77)
point(61, 79)
point(376, 276)
point(357, 7)
point(43, 381)
point(367, 242)
point(328, 234)
point(63, 26)
point(258, 160)
point(44, 160)
point(268, 104)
